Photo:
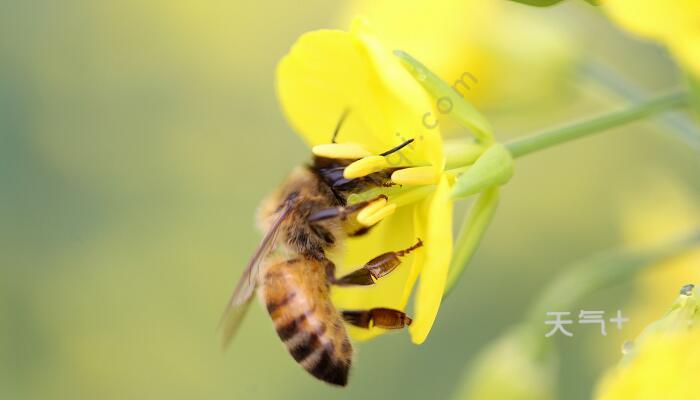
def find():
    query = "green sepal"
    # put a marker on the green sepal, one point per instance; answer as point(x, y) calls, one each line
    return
point(463, 111)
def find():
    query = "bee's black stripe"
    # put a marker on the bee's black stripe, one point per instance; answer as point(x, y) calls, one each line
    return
point(330, 369)
point(320, 367)
point(305, 348)
point(287, 331)
point(337, 374)
point(274, 306)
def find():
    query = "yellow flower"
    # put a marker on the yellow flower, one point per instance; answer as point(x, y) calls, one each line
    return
point(666, 368)
point(667, 211)
point(664, 361)
point(478, 44)
point(675, 23)
point(328, 72)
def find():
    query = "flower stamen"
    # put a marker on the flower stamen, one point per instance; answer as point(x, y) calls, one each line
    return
point(372, 208)
point(372, 216)
point(415, 176)
point(365, 166)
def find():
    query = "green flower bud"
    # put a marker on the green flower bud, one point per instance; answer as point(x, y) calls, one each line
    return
point(459, 153)
point(494, 168)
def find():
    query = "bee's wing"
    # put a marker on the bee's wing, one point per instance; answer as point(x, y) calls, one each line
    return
point(231, 320)
point(243, 293)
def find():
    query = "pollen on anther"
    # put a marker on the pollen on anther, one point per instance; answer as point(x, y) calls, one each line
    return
point(415, 176)
point(371, 208)
point(377, 216)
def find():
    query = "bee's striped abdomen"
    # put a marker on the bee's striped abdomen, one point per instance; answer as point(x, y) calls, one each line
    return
point(296, 295)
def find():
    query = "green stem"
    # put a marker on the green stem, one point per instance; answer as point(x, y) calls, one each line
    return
point(604, 270)
point(552, 137)
point(599, 272)
point(612, 81)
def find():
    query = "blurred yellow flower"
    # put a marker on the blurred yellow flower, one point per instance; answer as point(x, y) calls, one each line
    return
point(328, 72)
point(663, 212)
point(664, 361)
point(676, 24)
point(501, 53)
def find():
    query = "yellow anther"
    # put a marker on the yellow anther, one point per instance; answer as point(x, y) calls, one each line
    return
point(365, 166)
point(371, 208)
point(351, 151)
point(378, 215)
point(415, 176)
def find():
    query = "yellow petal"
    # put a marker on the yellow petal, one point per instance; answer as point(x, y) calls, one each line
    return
point(478, 58)
point(327, 72)
point(652, 18)
point(437, 253)
point(687, 51)
point(396, 232)
point(665, 367)
point(419, 223)
point(411, 98)
point(673, 23)
point(349, 151)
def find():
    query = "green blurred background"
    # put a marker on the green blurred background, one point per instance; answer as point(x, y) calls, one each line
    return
point(137, 137)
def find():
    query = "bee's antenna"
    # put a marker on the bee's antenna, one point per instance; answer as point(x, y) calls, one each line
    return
point(340, 123)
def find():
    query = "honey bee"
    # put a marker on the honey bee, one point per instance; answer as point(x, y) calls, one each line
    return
point(305, 218)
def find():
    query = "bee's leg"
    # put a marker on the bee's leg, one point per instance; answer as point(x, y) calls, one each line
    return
point(385, 318)
point(375, 268)
point(340, 212)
